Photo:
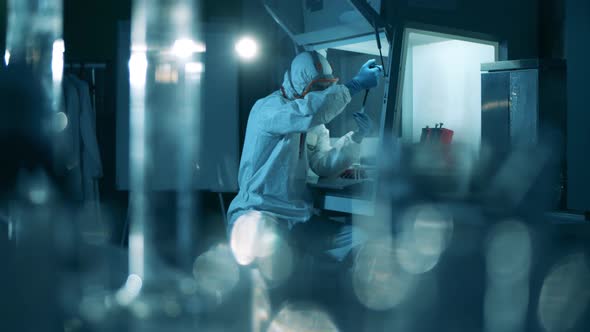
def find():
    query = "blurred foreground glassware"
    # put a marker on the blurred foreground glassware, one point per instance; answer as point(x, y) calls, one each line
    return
point(34, 40)
point(165, 70)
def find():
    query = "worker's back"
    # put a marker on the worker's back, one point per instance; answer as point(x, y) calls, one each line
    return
point(273, 169)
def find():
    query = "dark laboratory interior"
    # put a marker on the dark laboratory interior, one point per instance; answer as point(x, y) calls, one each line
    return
point(294, 166)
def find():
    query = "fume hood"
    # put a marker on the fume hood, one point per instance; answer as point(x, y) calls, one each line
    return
point(347, 38)
point(348, 33)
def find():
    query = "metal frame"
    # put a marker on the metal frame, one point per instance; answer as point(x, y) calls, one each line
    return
point(339, 42)
point(523, 64)
point(276, 18)
point(373, 18)
point(393, 81)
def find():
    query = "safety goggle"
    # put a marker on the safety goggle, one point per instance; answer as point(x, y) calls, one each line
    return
point(319, 84)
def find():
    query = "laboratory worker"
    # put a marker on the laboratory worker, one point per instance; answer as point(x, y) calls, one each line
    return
point(285, 136)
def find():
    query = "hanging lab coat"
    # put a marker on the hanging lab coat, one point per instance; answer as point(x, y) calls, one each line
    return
point(78, 153)
point(90, 153)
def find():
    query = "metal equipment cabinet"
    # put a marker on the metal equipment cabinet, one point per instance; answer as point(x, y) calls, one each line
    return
point(522, 101)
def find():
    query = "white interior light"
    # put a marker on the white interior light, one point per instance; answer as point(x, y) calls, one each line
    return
point(247, 48)
point(184, 48)
point(57, 60)
point(194, 67)
point(137, 68)
point(59, 46)
point(139, 48)
point(200, 47)
point(7, 57)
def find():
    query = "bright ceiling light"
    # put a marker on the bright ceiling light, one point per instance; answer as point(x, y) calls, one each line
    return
point(247, 48)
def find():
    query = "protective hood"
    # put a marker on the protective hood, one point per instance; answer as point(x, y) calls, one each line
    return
point(309, 72)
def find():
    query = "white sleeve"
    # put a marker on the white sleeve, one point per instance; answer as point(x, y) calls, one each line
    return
point(280, 116)
point(326, 159)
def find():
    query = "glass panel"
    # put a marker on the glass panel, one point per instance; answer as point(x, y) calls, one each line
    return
point(311, 22)
point(165, 74)
point(346, 57)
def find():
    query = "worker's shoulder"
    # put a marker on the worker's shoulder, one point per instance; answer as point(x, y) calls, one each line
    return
point(273, 100)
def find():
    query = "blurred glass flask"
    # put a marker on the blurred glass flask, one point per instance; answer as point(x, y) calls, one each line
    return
point(34, 40)
point(164, 127)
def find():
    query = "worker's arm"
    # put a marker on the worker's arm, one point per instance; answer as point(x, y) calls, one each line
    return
point(281, 116)
point(326, 159)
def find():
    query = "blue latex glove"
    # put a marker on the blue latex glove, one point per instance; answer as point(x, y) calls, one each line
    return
point(365, 124)
point(367, 78)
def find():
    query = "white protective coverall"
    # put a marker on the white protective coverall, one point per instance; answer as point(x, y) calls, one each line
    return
point(286, 135)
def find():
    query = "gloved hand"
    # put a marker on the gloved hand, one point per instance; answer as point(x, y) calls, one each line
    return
point(367, 78)
point(365, 125)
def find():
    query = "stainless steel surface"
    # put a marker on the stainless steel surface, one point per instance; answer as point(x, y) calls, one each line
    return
point(522, 64)
point(495, 114)
point(532, 98)
point(524, 107)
